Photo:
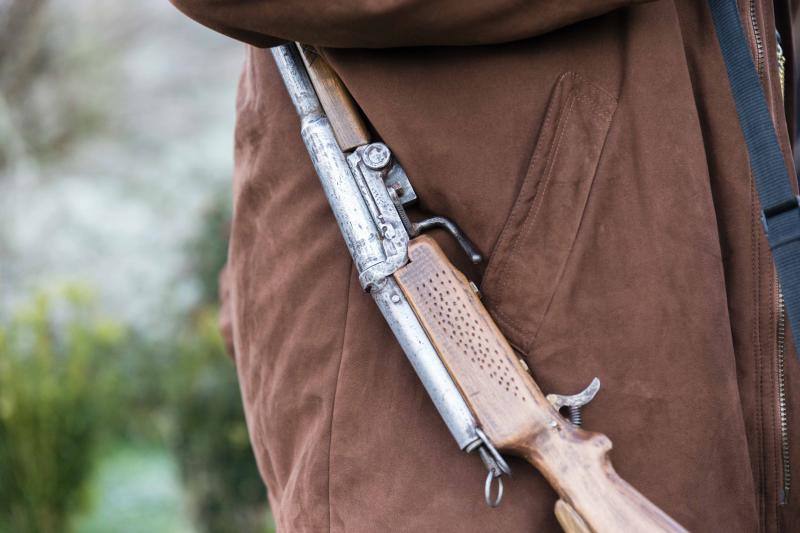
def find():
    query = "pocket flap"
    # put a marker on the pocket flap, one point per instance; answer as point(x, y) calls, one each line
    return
point(533, 248)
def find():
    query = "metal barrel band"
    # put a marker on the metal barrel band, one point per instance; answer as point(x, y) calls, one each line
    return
point(495, 464)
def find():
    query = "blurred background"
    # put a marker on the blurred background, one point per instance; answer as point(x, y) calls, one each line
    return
point(119, 410)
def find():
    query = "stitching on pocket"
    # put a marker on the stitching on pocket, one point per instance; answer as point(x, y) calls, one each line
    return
point(538, 201)
point(504, 236)
point(573, 97)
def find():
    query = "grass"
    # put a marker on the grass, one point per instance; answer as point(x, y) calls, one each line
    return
point(136, 490)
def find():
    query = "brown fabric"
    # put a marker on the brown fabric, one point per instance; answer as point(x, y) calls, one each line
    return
point(387, 23)
point(593, 153)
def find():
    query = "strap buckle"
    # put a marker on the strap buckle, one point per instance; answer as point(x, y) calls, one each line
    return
point(780, 235)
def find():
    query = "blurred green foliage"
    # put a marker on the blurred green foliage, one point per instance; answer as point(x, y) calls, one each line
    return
point(209, 433)
point(57, 397)
point(210, 436)
point(76, 387)
point(83, 391)
point(136, 489)
point(207, 251)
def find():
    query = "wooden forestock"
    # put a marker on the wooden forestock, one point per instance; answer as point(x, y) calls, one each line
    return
point(510, 407)
point(348, 126)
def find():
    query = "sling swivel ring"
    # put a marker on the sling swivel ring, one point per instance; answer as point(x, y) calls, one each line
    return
point(491, 475)
point(496, 466)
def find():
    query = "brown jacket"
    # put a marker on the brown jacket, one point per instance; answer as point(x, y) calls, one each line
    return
point(592, 150)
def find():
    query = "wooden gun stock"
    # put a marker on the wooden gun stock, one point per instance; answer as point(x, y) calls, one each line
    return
point(348, 126)
point(510, 407)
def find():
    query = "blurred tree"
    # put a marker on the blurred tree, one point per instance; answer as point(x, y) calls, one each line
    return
point(39, 52)
point(17, 42)
point(56, 397)
point(19, 50)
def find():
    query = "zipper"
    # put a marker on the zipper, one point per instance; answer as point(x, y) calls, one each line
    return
point(786, 484)
point(784, 471)
point(757, 37)
point(759, 64)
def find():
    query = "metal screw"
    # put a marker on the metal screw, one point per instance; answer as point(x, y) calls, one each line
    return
point(475, 289)
point(377, 156)
point(396, 298)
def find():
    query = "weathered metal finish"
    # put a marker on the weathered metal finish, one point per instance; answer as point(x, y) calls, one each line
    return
point(397, 181)
point(576, 401)
point(426, 363)
point(343, 194)
point(361, 227)
point(417, 228)
point(369, 168)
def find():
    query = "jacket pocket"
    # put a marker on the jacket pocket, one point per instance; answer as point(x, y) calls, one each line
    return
point(534, 246)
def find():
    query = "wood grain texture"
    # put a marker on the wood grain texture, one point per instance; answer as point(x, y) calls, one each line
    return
point(570, 520)
point(345, 117)
point(508, 404)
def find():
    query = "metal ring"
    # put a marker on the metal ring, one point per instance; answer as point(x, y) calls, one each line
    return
point(500, 462)
point(487, 489)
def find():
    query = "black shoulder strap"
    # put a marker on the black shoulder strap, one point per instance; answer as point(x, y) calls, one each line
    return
point(780, 208)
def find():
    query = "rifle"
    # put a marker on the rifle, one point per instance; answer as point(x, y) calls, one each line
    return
point(481, 388)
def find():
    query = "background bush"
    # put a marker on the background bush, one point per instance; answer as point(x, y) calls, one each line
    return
point(210, 436)
point(57, 398)
point(75, 386)
point(116, 123)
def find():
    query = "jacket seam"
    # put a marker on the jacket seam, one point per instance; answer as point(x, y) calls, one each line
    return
point(531, 216)
point(583, 210)
point(526, 179)
point(756, 249)
point(773, 413)
point(564, 114)
point(336, 389)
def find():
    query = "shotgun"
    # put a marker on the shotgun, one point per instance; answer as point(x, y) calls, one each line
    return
point(482, 389)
